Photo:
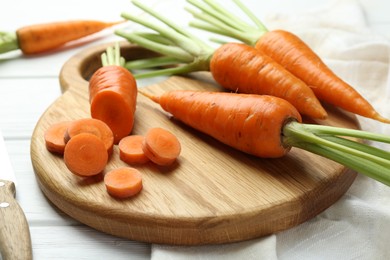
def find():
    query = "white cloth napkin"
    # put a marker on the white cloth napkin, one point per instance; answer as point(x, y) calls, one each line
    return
point(358, 225)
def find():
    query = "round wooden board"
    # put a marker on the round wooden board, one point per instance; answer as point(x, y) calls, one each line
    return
point(212, 195)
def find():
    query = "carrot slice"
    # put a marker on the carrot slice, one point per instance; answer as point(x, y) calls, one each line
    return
point(130, 150)
point(54, 137)
point(123, 182)
point(85, 155)
point(161, 146)
point(92, 126)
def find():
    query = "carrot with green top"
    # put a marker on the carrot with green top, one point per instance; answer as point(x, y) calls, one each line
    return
point(287, 49)
point(39, 38)
point(113, 94)
point(236, 67)
point(267, 126)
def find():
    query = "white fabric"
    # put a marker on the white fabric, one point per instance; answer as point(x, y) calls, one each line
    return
point(358, 225)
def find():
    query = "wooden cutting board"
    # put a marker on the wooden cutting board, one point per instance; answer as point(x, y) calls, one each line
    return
point(212, 195)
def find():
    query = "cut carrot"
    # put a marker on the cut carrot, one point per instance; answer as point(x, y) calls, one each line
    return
point(54, 137)
point(85, 155)
point(130, 150)
point(113, 95)
point(161, 146)
point(123, 182)
point(92, 126)
point(39, 38)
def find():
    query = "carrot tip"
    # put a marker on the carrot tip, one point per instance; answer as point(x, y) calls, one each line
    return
point(150, 96)
point(382, 119)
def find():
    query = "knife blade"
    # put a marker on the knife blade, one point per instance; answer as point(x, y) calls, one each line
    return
point(15, 239)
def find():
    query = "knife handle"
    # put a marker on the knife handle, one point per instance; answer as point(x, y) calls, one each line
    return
point(15, 240)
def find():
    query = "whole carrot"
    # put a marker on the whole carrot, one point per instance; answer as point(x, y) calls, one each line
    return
point(290, 51)
point(236, 67)
point(268, 126)
point(39, 38)
point(113, 95)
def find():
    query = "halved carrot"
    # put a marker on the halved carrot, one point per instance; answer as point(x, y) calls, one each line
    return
point(161, 146)
point(113, 95)
point(54, 137)
point(123, 182)
point(85, 155)
point(130, 149)
point(92, 126)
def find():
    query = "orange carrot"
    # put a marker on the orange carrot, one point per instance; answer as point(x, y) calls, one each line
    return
point(250, 123)
point(85, 155)
point(91, 126)
point(298, 58)
point(289, 51)
point(261, 75)
point(40, 38)
point(234, 66)
point(123, 182)
point(130, 149)
point(113, 96)
point(161, 146)
point(54, 137)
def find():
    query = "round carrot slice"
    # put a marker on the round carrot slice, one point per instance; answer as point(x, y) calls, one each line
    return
point(92, 126)
point(161, 146)
point(130, 150)
point(123, 182)
point(54, 137)
point(85, 155)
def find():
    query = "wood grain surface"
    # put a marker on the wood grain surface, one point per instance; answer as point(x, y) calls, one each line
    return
point(213, 194)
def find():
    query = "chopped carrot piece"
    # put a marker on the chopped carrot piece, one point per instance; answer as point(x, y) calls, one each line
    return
point(92, 126)
point(130, 150)
point(54, 137)
point(123, 182)
point(85, 155)
point(161, 146)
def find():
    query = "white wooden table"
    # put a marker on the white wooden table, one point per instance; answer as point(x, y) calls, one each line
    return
point(29, 85)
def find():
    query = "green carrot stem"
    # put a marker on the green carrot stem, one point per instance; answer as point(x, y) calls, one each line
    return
point(215, 24)
point(172, 51)
point(359, 146)
point(8, 42)
point(151, 63)
point(236, 23)
point(172, 25)
point(331, 130)
point(249, 35)
point(181, 40)
point(154, 37)
point(295, 132)
point(112, 56)
point(250, 14)
point(184, 69)
point(363, 166)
